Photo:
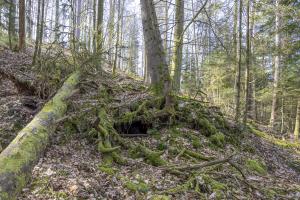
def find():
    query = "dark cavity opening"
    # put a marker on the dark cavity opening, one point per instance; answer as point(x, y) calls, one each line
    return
point(133, 129)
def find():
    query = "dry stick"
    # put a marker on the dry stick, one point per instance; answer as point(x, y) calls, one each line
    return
point(199, 165)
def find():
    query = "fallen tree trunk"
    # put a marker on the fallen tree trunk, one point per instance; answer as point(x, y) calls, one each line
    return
point(18, 159)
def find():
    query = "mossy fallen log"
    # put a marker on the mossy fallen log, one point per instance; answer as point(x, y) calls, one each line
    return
point(18, 159)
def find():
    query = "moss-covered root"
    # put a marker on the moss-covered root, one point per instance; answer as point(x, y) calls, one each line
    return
point(151, 157)
point(189, 154)
point(105, 132)
point(18, 159)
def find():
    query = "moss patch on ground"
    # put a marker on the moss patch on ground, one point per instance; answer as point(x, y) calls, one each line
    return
point(256, 166)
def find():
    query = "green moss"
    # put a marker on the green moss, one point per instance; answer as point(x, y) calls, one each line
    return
point(257, 166)
point(195, 142)
point(196, 155)
point(137, 186)
point(207, 127)
point(151, 157)
point(215, 186)
point(107, 169)
point(218, 139)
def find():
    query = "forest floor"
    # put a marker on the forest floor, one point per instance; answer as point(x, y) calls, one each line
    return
point(72, 168)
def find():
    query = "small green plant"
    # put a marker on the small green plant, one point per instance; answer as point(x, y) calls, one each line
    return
point(257, 166)
point(218, 139)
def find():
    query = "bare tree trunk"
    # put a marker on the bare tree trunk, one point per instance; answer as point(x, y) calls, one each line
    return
point(166, 27)
point(297, 122)
point(94, 26)
point(248, 58)
point(178, 40)
point(111, 27)
point(41, 28)
point(56, 30)
point(156, 58)
point(239, 66)
point(22, 31)
point(38, 25)
point(78, 20)
point(12, 23)
point(118, 33)
point(29, 19)
point(276, 68)
point(99, 39)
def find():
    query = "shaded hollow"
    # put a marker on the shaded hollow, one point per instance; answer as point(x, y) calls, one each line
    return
point(133, 129)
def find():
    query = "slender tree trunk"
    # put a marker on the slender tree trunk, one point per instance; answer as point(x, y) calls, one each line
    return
point(99, 40)
point(248, 58)
point(29, 19)
point(117, 37)
point(239, 66)
point(276, 67)
point(100, 25)
point(22, 30)
point(56, 30)
point(166, 27)
point(111, 27)
point(178, 40)
point(297, 122)
point(94, 25)
point(78, 21)
point(38, 25)
point(12, 23)
point(282, 114)
point(41, 29)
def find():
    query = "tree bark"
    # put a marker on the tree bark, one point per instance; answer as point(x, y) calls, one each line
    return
point(99, 39)
point(12, 23)
point(297, 122)
point(29, 19)
point(247, 72)
point(117, 37)
point(178, 40)
point(38, 25)
point(276, 68)
point(239, 66)
point(155, 55)
point(18, 159)
point(21, 25)
point(56, 30)
point(111, 27)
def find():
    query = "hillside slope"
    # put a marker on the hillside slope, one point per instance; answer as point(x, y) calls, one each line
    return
point(194, 153)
